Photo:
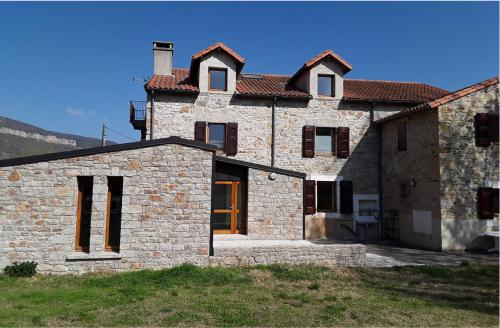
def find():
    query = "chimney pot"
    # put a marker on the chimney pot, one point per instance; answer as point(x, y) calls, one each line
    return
point(163, 53)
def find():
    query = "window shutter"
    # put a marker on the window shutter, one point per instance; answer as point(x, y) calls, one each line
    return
point(310, 196)
point(231, 139)
point(345, 197)
point(493, 128)
point(200, 131)
point(342, 142)
point(485, 203)
point(481, 125)
point(308, 134)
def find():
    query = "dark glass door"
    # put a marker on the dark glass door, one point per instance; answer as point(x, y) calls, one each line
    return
point(228, 207)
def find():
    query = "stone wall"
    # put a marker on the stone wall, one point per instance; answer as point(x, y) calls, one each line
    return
point(165, 212)
point(419, 214)
point(274, 206)
point(326, 255)
point(177, 114)
point(464, 166)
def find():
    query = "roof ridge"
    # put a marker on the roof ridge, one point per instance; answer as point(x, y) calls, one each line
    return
point(390, 81)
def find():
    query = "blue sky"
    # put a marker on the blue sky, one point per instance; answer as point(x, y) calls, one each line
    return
point(68, 66)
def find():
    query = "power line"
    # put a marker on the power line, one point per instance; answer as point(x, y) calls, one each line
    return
point(105, 127)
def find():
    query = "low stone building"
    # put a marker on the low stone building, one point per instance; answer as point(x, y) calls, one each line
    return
point(149, 205)
point(440, 168)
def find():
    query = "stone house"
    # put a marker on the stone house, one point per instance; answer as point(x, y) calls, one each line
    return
point(440, 168)
point(315, 121)
point(237, 168)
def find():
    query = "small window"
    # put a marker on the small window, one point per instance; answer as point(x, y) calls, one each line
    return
point(84, 213)
point(325, 140)
point(401, 135)
point(326, 195)
point(114, 214)
point(326, 85)
point(217, 79)
point(217, 134)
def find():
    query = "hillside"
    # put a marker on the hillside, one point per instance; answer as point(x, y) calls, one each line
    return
point(19, 139)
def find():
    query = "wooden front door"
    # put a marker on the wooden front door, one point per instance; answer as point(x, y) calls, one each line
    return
point(228, 207)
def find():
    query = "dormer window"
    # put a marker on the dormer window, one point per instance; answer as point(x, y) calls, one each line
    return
point(217, 79)
point(326, 85)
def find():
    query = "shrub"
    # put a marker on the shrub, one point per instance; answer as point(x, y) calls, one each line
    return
point(23, 269)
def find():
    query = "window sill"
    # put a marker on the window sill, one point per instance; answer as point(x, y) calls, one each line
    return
point(99, 256)
point(324, 154)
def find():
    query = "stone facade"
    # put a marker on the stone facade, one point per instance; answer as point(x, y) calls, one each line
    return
point(464, 167)
point(165, 210)
point(275, 206)
point(165, 217)
point(440, 211)
point(176, 114)
point(419, 162)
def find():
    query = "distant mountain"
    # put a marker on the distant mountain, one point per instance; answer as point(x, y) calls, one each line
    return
point(19, 139)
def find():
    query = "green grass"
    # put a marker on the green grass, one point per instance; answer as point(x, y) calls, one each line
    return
point(275, 295)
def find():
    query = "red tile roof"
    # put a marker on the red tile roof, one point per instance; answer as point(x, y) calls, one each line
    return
point(279, 86)
point(346, 67)
point(435, 103)
point(328, 53)
point(219, 45)
point(390, 91)
point(195, 60)
point(267, 85)
point(179, 81)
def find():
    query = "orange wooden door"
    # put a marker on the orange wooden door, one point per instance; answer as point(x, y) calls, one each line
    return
point(227, 207)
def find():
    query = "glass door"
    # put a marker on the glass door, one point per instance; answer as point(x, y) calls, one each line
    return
point(227, 212)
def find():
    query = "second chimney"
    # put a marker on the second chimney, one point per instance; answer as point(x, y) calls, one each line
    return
point(163, 53)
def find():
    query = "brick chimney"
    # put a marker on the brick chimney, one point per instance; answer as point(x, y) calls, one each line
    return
point(163, 53)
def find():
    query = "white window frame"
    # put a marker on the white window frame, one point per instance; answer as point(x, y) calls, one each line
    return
point(328, 178)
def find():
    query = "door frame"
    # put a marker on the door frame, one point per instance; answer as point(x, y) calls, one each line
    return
point(234, 210)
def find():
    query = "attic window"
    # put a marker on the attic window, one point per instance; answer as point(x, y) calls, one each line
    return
point(326, 85)
point(217, 79)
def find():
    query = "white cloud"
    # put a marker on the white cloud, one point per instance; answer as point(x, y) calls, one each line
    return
point(79, 112)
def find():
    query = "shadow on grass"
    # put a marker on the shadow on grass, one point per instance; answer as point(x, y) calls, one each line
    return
point(465, 288)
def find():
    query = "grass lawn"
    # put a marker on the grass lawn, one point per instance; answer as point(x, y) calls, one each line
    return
point(257, 296)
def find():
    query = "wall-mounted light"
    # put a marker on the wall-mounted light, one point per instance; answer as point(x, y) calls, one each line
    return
point(412, 183)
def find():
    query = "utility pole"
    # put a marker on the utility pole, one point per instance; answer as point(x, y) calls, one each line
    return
point(103, 138)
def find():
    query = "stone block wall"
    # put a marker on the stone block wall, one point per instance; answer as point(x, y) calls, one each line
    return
point(464, 167)
point(325, 255)
point(165, 211)
point(419, 162)
point(177, 114)
point(274, 206)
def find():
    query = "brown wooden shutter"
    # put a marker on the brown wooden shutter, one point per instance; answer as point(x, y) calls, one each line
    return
point(231, 139)
point(401, 135)
point(481, 125)
point(485, 203)
point(493, 128)
point(200, 131)
point(309, 196)
point(308, 135)
point(345, 197)
point(342, 142)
